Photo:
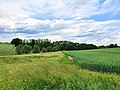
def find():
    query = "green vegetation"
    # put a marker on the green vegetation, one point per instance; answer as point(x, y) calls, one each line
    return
point(54, 49)
point(50, 71)
point(6, 49)
point(36, 49)
point(19, 49)
point(16, 41)
point(49, 48)
point(60, 45)
point(26, 49)
point(104, 60)
point(44, 50)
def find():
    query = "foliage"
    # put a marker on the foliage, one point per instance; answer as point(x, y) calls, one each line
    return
point(27, 49)
point(36, 49)
point(44, 50)
point(32, 42)
point(16, 41)
point(104, 60)
point(54, 49)
point(49, 48)
point(19, 49)
point(61, 45)
point(109, 46)
point(112, 46)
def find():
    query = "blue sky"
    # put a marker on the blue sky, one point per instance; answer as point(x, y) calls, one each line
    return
point(83, 21)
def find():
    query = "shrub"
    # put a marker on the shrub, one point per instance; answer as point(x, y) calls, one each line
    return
point(54, 49)
point(36, 49)
point(27, 49)
point(58, 47)
point(19, 49)
point(44, 49)
point(49, 48)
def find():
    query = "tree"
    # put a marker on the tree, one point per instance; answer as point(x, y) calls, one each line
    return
point(36, 49)
point(27, 49)
point(16, 41)
point(19, 49)
point(54, 49)
point(49, 48)
point(44, 50)
point(115, 45)
point(32, 42)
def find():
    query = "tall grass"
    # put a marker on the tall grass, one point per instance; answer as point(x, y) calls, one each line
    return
point(51, 71)
point(6, 49)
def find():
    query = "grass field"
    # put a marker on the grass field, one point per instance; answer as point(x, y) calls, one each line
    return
point(50, 71)
point(104, 60)
point(6, 49)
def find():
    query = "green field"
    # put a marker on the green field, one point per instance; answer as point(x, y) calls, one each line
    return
point(6, 49)
point(50, 71)
point(104, 60)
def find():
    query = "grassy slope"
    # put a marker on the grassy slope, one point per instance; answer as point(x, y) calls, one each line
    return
point(6, 49)
point(106, 60)
point(51, 71)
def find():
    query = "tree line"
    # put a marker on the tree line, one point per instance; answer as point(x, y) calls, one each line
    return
point(45, 45)
point(109, 46)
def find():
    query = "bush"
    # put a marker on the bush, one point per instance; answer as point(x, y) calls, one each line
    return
point(58, 47)
point(49, 48)
point(27, 49)
point(44, 50)
point(36, 49)
point(19, 49)
point(54, 49)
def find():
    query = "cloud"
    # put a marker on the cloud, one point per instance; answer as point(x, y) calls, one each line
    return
point(57, 9)
point(83, 31)
point(59, 20)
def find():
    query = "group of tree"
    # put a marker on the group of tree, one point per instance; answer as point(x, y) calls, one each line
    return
point(20, 49)
point(109, 46)
point(45, 45)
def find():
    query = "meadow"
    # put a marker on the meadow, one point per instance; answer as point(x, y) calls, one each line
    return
point(51, 71)
point(6, 49)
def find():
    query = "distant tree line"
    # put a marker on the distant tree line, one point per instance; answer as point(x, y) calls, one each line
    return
point(109, 46)
point(45, 45)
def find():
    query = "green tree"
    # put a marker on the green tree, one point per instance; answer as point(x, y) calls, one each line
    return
point(54, 49)
point(44, 50)
point(16, 41)
point(19, 49)
point(49, 48)
point(27, 49)
point(36, 49)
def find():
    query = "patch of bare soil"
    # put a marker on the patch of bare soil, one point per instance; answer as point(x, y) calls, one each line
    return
point(70, 58)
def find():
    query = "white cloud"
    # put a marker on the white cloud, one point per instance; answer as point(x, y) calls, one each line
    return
point(57, 9)
point(23, 19)
point(83, 31)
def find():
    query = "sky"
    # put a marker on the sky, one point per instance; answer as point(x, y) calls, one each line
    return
point(84, 21)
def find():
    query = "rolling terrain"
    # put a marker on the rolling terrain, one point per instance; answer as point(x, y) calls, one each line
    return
point(54, 71)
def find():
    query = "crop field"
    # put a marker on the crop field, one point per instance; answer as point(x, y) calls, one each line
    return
point(104, 60)
point(51, 71)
